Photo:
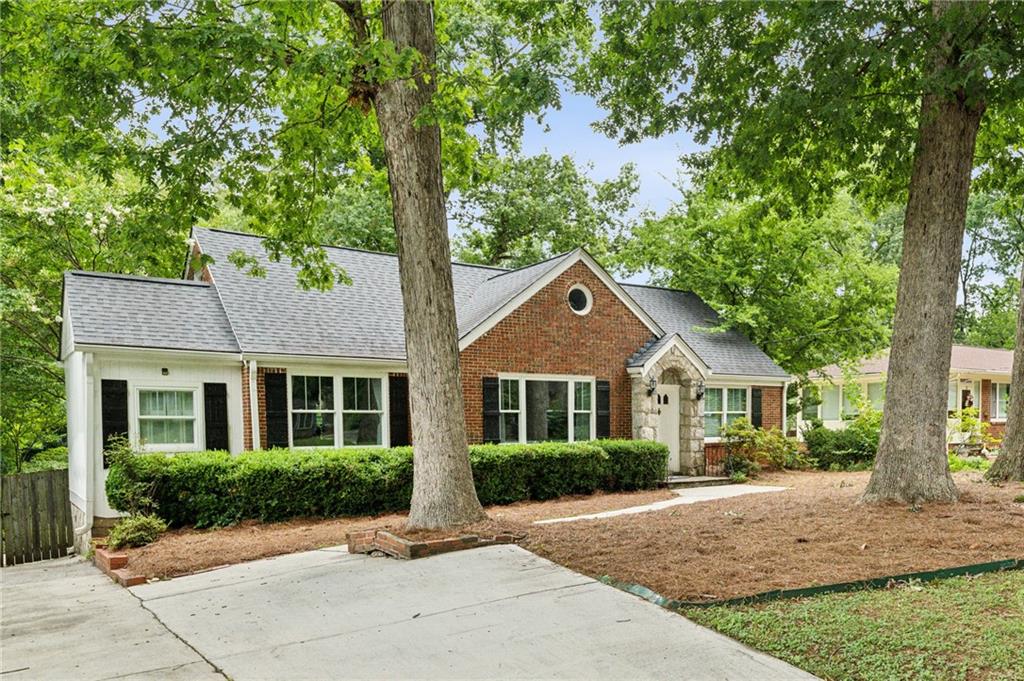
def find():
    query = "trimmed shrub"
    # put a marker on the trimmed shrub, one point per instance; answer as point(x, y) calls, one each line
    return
point(215, 488)
point(852, 447)
point(634, 464)
point(135, 530)
point(750, 449)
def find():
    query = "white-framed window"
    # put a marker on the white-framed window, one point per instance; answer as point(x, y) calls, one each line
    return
point(876, 395)
point(1000, 400)
point(312, 411)
point(851, 394)
point(722, 407)
point(362, 414)
point(811, 404)
point(830, 401)
point(167, 417)
point(508, 404)
point(580, 299)
point(546, 408)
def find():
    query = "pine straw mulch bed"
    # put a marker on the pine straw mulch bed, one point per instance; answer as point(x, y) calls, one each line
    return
point(812, 534)
point(187, 550)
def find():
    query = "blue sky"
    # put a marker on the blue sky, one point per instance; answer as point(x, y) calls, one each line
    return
point(570, 133)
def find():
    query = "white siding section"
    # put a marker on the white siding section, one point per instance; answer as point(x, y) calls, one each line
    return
point(76, 392)
point(146, 373)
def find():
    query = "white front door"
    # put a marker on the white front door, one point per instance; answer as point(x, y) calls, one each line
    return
point(667, 397)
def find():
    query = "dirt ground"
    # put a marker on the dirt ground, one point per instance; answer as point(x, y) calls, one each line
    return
point(814, 533)
point(186, 550)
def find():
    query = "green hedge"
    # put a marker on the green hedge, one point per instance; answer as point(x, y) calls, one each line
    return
point(215, 488)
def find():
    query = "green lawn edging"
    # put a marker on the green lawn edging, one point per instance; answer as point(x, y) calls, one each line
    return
point(776, 594)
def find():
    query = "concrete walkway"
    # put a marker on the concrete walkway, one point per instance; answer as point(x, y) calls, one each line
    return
point(64, 619)
point(494, 612)
point(690, 495)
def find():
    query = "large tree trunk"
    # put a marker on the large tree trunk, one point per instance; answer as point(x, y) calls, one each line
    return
point(443, 491)
point(1010, 464)
point(912, 464)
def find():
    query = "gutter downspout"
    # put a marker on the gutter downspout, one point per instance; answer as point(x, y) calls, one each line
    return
point(254, 405)
point(85, 530)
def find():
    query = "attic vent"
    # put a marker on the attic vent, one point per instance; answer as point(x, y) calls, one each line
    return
point(580, 299)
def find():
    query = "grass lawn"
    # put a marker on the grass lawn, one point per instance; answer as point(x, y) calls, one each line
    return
point(969, 628)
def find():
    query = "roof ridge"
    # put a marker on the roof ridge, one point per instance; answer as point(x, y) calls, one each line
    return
point(539, 262)
point(351, 248)
point(96, 274)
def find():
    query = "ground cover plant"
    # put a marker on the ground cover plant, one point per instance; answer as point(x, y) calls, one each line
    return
point(216, 488)
point(811, 534)
point(957, 628)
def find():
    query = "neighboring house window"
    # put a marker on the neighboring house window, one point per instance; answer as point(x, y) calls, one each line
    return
point(722, 406)
point(849, 405)
point(951, 401)
point(1001, 401)
point(362, 411)
point(312, 411)
point(548, 410)
point(830, 403)
point(508, 404)
point(810, 404)
point(876, 395)
point(167, 417)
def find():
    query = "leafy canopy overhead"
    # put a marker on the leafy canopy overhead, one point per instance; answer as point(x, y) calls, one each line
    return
point(267, 104)
point(798, 95)
point(810, 291)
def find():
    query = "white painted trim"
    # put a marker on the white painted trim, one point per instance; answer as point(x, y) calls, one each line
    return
point(337, 375)
point(579, 255)
point(676, 342)
point(167, 353)
point(587, 294)
point(198, 443)
point(254, 405)
point(725, 404)
point(281, 360)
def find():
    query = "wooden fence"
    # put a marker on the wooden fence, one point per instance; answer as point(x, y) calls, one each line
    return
point(36, 516)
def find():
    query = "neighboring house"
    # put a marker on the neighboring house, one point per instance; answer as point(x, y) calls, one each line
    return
point(555, 351)
point(978, 377)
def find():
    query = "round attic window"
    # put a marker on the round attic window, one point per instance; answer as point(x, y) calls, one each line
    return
point(580, 299)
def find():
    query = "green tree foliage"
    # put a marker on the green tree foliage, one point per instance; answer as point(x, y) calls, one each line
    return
point(995, 323)
point(810, 291)
point(58, 217)
point(264, 105)
point(525, 209)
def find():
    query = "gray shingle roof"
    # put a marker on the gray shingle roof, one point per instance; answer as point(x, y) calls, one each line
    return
point(274, 315)
point(146, 312)
point(725, 352)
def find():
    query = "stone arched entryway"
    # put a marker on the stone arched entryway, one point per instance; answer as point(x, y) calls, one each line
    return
point(678, 386)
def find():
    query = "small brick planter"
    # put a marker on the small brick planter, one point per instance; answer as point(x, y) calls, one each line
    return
point(368, 541)
point(115, 565)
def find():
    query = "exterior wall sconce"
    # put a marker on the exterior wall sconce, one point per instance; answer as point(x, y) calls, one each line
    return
point(700, 390)
point(652, 385)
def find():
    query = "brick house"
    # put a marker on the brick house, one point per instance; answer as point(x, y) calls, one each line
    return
point(978, 377)
point(555, 351)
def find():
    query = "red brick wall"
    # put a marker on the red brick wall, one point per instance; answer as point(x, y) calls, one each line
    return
point(246, 410)
point(995, 430)
point(544, 336)
point(261, 398)
point(261, 403)
point(771, 407)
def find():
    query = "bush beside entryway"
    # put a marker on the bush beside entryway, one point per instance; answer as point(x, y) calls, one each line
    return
point(215, 488)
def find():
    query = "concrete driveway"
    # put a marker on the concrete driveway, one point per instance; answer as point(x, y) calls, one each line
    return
point(498, 612)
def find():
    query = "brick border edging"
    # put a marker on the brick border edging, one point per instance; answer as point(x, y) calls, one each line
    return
point(114, 564)
point(368, 541)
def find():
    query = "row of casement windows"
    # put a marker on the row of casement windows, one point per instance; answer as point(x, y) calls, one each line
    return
point(314, 414)
point(836, 403)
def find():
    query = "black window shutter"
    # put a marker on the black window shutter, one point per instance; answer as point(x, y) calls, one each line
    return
point(492, 410)
point(756, 418)
point(114, 412)
point(398, 410)
point(215, 414)
point(604, 409)
point(275, 388)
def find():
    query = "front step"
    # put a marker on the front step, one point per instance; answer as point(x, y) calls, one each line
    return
point(684, 481)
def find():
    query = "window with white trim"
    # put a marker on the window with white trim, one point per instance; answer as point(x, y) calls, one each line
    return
point(312, 411)
point(830, 401)
point(362, 413)
point(546, 409)
point(876, 395)
point(810, 401)
point(508, 405)
point(167, 417)
point(722, 407)
point(1000, 400)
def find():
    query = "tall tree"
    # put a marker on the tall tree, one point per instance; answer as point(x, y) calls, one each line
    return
point(808, 290)
point(277, 104)
point(1010, 464)
point(887, 97)
point(524, 209)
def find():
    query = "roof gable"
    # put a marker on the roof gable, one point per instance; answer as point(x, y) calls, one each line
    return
point(511, 289)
